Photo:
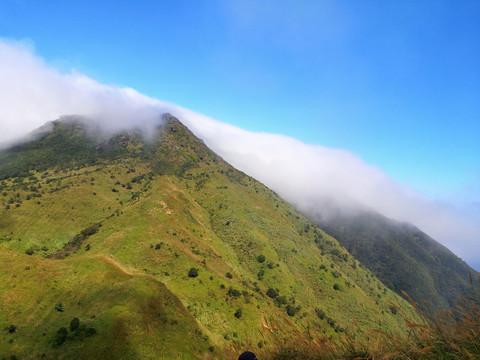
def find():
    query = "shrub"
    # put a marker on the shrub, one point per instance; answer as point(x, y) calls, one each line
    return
point(281, 300)
point(339, 329)
point(12, 329)
point(320, 313)
point(291, 311)
point(331, 322)
point(193, 272)
point(261, 258)
point(92, 229)
point(59, 307)
point(29, 251)
point(335, 252)
point(238, 313)
point(74, 324)
point(234, 292)
point(61, 336)
point(260, 274)
point(229, 275)
point(336, 286)
point(272, 293)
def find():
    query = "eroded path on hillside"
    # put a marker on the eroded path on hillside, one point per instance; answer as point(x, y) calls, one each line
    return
point(124, 269)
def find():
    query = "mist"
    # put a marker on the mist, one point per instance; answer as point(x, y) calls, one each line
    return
point(311, 176)
point(32, 93)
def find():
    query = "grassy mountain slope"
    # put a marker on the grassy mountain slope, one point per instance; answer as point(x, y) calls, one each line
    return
point(134, 316)
point(403, 257)
point(172, 243)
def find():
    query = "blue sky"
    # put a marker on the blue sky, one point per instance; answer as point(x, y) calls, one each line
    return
point(395, 82)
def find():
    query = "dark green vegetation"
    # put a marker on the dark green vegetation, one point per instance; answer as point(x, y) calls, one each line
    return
point(165, 251)
point(403, 258)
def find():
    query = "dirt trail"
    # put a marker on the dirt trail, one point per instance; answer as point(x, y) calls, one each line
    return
point(110, 260)
point(264, 324)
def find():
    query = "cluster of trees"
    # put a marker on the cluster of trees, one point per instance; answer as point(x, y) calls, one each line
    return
point(279, 301)
point(323, 316)
point(76, 242)
point(77, 329)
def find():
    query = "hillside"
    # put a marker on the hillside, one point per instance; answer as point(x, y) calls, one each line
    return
point(166, 251)
point(403, 257)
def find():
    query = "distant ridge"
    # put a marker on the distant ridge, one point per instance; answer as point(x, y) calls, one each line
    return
point(403, 257)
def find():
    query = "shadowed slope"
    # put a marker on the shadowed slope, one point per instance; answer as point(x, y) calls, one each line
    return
point(131, 314)
point(403, 257)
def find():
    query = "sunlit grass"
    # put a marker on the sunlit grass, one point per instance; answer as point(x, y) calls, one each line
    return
point(453, 334)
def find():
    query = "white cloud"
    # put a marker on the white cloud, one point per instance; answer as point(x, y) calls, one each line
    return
point(309, 175)
point(32, 92)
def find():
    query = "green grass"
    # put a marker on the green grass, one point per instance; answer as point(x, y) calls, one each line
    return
point(174, 205)
point(452, 334)
point(128, 311)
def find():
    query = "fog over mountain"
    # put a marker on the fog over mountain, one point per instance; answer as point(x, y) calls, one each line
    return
point(32, 92)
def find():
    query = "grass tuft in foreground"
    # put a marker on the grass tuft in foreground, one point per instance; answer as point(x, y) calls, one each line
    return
point(452, 334)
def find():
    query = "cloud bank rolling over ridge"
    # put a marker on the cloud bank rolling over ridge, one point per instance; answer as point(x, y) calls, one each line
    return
point(33, 92)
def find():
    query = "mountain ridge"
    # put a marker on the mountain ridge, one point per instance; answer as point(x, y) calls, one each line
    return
point(403, 257)
point(250, 270)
